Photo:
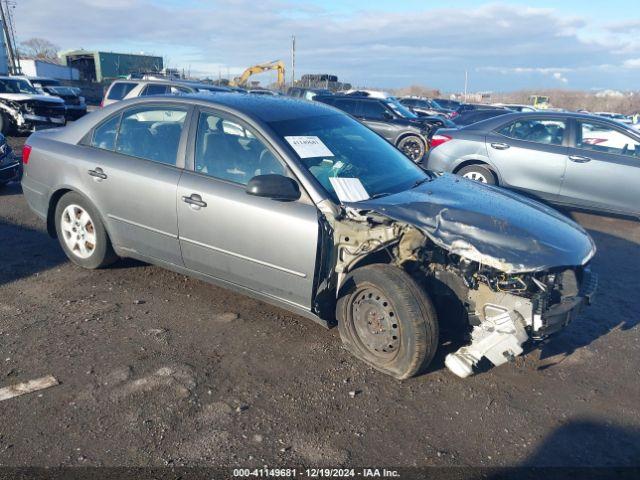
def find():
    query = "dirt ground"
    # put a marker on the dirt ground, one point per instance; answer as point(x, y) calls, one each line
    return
point(158, 369)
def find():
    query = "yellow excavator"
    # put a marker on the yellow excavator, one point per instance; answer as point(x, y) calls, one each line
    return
point(255, 69)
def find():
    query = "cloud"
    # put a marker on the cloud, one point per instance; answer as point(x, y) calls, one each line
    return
point(432, 46)
point(632, 63)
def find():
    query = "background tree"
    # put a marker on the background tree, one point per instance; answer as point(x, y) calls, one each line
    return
point(39, 48)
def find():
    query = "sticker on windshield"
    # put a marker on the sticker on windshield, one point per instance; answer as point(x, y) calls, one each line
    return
point(309, 147)
point(349, 189)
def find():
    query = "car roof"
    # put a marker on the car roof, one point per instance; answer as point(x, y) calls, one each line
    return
point(540, 114)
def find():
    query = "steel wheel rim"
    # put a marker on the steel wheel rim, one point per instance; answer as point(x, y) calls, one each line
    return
point(412, 149)
point(78, 231)
point(476, 176)
point(375, 324)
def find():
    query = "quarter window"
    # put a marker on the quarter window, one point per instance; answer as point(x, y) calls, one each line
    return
point(228, 150)
point(600, 138)
point(119, 90)
point(548, 132)
point(105, 135)
point(152, 89)
point(151, 133)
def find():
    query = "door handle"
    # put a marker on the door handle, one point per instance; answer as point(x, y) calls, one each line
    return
point(579, 159)
point(499, 146)
point(195, 200)
point(98, 173)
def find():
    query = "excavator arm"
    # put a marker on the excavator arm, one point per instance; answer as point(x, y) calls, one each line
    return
point(255, 69)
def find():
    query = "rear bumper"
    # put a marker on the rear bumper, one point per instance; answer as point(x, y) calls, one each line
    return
point(73, 112)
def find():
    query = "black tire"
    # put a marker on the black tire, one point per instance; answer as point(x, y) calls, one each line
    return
point(413, 147)
point(5, 124)
point(480, 173)
point(101, 254)
point(383, 300)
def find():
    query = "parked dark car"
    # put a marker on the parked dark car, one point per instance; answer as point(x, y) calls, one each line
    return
point(571, 159)
point(389, 118)
point(468, 107)
point(9, 164)
point(472, 116)
point(425, 107)
point(447, 103)
point(74, 103)
point(300, 205)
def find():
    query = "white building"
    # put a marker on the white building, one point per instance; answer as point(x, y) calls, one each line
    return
point(43, 68)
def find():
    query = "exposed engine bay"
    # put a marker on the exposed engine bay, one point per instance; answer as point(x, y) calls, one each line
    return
point(502, 309)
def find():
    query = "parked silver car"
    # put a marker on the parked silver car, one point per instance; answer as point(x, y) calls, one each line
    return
point(571, 159)
point(302, 206)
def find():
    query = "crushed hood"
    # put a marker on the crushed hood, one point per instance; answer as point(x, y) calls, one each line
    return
point(20, 97)
point(487, 224)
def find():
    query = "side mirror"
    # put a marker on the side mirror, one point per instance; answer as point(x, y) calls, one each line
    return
point(276, 187)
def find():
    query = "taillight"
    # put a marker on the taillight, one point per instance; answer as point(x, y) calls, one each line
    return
point(453, 114)
point(26, 151)
point(439, 140)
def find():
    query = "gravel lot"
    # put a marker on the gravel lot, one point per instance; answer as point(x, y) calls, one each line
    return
point(158, 369)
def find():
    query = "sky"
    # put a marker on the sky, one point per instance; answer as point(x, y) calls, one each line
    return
point(503, 45)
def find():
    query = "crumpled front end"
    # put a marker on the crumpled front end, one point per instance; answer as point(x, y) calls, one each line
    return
point(30, 115)
point(519, 274)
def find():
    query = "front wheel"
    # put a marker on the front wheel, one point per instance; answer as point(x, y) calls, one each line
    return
point(413, 147)
point(387, 320)
point(81, 232)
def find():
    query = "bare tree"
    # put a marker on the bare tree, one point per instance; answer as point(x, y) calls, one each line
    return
point(39, 48)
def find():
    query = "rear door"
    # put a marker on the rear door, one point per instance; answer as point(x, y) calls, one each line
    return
point(603, 171)
point(257, 243)
point(531, 154)
point(133, 176)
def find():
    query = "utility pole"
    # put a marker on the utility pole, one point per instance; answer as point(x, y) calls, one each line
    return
point(293, 60)
point(13, 57)
point(466, 83)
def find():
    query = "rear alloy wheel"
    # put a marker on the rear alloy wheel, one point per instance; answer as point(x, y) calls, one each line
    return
point(478, 173)
point(387, 320)
point(81, 233)
point(413, 147)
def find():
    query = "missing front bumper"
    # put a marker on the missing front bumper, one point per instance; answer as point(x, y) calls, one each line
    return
point(504, 322)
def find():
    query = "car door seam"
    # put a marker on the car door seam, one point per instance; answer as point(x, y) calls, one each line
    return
point(244, 257)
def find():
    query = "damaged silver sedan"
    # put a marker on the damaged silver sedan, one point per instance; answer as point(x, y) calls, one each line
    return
point(301, 206)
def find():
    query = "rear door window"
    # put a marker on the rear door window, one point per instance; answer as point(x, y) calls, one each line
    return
point(347, 105)
point(545, 131)
point(373, 110)
point(152, 133)
point(119, 90)
point(601, 138)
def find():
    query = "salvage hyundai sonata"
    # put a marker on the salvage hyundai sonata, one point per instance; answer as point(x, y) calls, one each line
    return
point(301, 206)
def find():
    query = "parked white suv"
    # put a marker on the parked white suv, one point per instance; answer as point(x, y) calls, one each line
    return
point(124, 89)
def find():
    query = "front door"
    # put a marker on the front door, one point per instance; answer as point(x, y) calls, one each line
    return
point(132, 173)
point(261, 244)
point(603, 171)
point(530, 155)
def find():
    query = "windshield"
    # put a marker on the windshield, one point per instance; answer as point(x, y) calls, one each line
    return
point(352, 152)
point(15, 85)
point(400, 109)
